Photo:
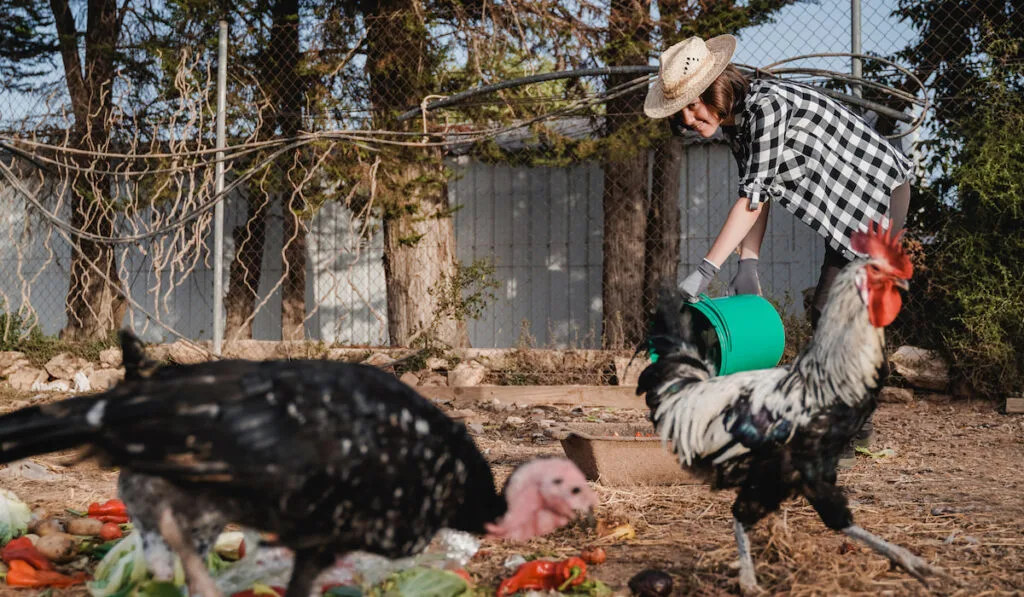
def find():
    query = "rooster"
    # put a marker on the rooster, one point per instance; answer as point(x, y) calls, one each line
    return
point(331, 457)
point(777, 433)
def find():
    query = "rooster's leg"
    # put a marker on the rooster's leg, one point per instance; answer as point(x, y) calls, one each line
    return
point(917, 567)
point(748, 579)
point(200, 583)
point(308, 565)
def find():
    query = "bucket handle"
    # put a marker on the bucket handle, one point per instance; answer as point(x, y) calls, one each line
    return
point(711, 305)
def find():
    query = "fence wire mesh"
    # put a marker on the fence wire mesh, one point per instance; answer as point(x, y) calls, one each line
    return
point(545, 214)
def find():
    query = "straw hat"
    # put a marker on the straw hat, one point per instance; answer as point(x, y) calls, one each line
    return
point(686, 71)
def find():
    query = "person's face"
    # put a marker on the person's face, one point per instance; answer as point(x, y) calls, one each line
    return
point(701, 119)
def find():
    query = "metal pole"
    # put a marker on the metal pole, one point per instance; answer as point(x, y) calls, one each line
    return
point(855, 47)
point(218, 209)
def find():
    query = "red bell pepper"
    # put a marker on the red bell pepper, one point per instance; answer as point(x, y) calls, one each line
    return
point(112, 511)
point(22, 549)
point(21, 574)
point(543, 575)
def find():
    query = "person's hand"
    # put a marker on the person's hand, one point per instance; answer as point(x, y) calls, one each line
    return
point(746, 280)
point(697, 282)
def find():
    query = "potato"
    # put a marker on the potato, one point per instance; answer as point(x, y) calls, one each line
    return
point(57, 547)
point(85, 526)
point(47, 526)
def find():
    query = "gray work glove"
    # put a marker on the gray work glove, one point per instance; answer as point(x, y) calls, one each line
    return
point(746, 280)
point(697, 282)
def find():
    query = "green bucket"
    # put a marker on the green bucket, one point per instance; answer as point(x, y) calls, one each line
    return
point(750, 332)
point(744, 332)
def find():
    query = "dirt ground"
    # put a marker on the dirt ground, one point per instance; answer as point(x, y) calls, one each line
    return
point(953, 493)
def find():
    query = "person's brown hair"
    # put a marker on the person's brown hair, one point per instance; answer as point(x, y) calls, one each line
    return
point(726, 93)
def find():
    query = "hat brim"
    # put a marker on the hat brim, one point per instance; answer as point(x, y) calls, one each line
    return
point(656, 105)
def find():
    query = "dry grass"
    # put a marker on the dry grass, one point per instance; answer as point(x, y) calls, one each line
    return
point(952, 494)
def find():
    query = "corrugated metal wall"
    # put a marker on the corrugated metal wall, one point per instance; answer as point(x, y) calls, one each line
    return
point(542, 228)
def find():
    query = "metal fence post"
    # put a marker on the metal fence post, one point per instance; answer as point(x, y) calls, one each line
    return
point(855, 45)
point(218, 209)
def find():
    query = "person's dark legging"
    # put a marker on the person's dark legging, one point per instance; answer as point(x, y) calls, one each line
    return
point(834, 260)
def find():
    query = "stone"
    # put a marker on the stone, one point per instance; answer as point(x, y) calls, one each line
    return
point(378, 359)
point(104, 379)
point(64, 366)
point(433, 380)
point(891, 395)
point(184, 353)
point(110, 357)
point(437, 364)
point(467, 373)
point(23, 379)
point(409, 378)
point(628, 369)
point(252, 350)
point(29, 470)
point(10, 358)
point(475, 428)
point(921, 368)
point(515, 420)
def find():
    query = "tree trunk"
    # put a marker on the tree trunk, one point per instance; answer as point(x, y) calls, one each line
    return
point(279, 78)
point(419, 253)
point(661, 263)
point(95, 304)
point(284, 47)
point(419, 235)
point(245, 270)
point(625, 181)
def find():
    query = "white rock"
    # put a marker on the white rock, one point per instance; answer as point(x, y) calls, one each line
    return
point(437, 364)
point(409, 378)
point(467, 373)
point(23, 379)
point(64, 366)
point(922, 368)
point(514, 420)
point(82, 382)
point(57, 385)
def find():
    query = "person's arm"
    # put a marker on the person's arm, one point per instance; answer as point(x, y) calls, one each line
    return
point(740, 221)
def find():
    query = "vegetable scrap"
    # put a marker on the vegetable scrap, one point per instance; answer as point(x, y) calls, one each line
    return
point(545, 575)
point(110, 511)
point(22, 549)
point(21, 574)
point(14, 516)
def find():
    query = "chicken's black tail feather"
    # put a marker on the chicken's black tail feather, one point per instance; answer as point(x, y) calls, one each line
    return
point(677, 349)
point(48, 428)
point(76, 421)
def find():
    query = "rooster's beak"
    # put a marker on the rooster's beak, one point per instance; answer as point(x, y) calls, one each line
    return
point(902, 284)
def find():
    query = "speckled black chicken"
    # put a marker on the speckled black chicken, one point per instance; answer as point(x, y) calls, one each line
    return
point(777, 433)
point(332, 457)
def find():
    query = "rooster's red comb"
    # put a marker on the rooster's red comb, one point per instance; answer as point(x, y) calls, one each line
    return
point(883, 245)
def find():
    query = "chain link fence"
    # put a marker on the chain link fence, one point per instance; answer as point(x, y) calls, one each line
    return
point(542, 215)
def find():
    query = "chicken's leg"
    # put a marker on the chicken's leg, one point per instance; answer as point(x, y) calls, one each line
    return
point(917, 567)
point(748, 579)
point(200, 583)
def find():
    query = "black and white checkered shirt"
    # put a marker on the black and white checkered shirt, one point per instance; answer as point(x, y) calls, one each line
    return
point(816, 157)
